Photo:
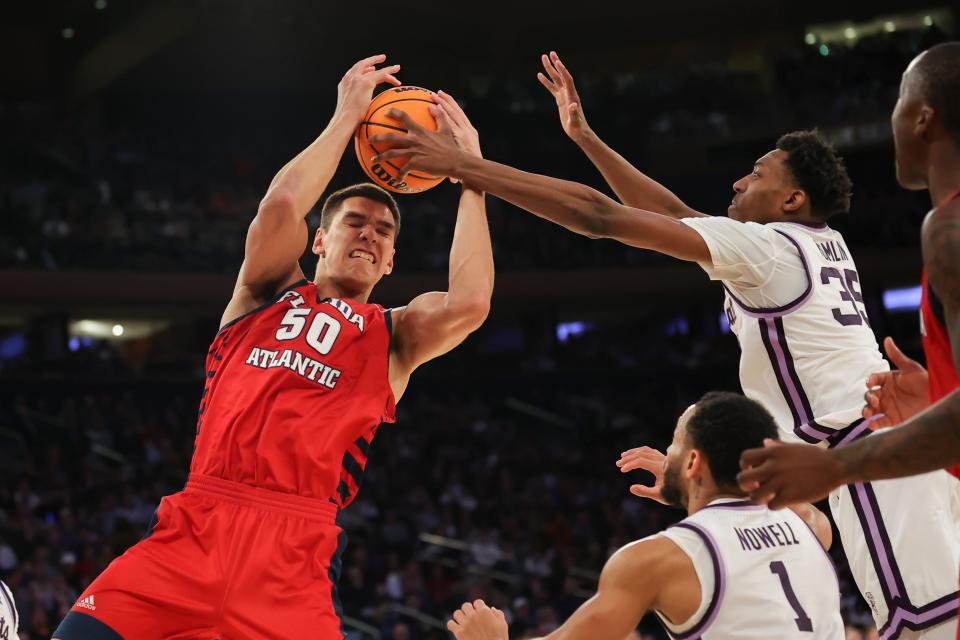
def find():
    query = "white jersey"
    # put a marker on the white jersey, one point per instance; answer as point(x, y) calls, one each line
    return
point(9, 620)
point(798, 313)
point(763, 574)
point(793, 299)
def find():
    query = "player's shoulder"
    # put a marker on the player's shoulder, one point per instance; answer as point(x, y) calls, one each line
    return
point(946, 215)
point(655, 555)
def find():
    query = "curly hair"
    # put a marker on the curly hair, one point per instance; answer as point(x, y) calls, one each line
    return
point(723, 426)
point(819, 171)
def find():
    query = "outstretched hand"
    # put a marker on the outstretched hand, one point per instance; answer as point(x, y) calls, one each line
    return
point(435, 153)
point(648, 459)
point(464, 133)
point(895, 396)
point(356, 87)
point(779, 474)
point(559, 83)
point(477, 621)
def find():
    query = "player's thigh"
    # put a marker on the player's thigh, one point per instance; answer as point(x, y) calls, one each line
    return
point(287, 582)
point(168, 585)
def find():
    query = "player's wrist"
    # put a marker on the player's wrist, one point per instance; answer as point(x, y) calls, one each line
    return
point(843, 468)
point(584, 136)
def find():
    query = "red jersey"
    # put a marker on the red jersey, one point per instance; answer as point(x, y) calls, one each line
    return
point(295, 392)
point(936, 344)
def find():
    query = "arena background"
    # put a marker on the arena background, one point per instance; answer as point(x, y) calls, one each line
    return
point(136, 139)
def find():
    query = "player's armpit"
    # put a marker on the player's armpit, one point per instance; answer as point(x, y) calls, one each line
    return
point(630, 585)
point(431, 325)
point(275, 241)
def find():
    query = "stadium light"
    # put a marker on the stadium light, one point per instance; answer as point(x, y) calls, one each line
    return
point(824, 50)
point(117, 330)
point(68, 33)
point(100, 5)
point(810, 38)
point(904, 299)
point(928, 21)
point(850, 33)
point(566, 330)
point(889, 27)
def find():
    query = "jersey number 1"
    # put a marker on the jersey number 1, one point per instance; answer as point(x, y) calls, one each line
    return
point(803, 620)
point(321, 335)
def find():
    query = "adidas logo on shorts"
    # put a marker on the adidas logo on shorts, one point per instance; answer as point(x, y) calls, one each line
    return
point(87, 603)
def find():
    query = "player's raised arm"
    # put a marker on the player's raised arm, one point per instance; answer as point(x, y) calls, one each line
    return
point(278, 234)
point(630, 585)
point(633, 187)
point(436, 322)
point(574, 206)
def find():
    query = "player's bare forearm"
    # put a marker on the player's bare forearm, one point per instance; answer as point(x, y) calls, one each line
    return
point(927, 442)
point(583, 210)
point(632, 186)
point(470, 280)
point(436, 322)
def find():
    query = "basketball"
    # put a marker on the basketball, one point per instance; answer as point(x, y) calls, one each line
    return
point(414, 101)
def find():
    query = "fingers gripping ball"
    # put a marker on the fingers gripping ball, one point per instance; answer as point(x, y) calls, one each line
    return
point(415, 102)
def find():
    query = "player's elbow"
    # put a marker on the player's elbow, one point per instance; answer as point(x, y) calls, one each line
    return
point(595, 215)
point(278, 204)
point(473, 312)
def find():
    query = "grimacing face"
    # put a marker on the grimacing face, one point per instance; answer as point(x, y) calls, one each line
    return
point(357, 250)
point(908, 122)
point(760, 195)
point(674, 490)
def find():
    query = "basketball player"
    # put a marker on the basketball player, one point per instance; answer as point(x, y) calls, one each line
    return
point(299, 378)
point(9, 620)
point(926, 132)
point(793, 300)
point(731, 569)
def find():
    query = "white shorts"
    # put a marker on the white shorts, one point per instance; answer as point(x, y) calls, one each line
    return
point(902, 541)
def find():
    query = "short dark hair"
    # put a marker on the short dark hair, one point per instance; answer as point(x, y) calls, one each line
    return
point(819, 171)
point(938, 72)
point(362, 190)
point(723, 426)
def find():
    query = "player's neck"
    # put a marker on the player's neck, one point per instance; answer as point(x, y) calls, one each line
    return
point(329, 288)
point(699, 500)
point(943, 176)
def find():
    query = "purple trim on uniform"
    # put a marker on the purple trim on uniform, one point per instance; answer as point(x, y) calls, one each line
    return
point(920, 618)
point(790, 307)
point(807, 225)
point(772, 334)
point(812, 432)
point(871, 524)
point(900, 611)
point(719, 584)
point(856, 430)
point(739, 504)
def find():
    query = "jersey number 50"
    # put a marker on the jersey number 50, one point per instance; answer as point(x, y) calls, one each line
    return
point(321, 335)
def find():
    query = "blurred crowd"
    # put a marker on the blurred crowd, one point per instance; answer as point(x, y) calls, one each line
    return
point(168, 183)
point(498, 483)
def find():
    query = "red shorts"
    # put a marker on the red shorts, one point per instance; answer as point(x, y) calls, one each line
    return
point(224, 560)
